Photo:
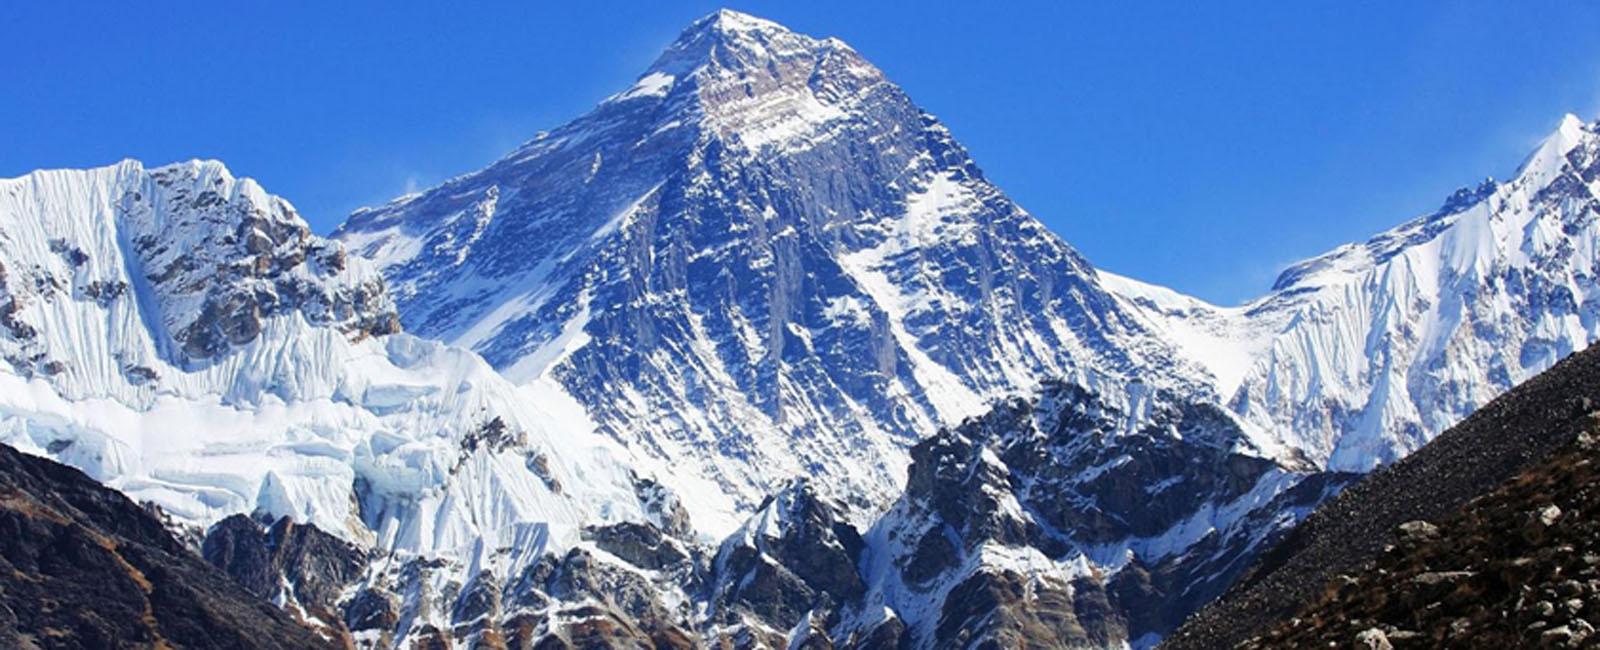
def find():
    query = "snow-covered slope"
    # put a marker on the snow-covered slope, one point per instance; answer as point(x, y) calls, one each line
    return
point(760, 261)
point(180, 335)
point(1361, 355)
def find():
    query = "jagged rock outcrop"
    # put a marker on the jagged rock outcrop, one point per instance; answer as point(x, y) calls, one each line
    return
point(796, 559)
point(303, 569)
point(215, 257)
point(81, 566)
point(1075, 520)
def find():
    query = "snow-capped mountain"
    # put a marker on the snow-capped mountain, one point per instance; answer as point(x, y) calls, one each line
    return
point(761, 261)
point(752, 355)
point(180, 335)
point(1359, 356)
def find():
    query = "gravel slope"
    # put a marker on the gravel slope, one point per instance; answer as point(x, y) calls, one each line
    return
point(1506, 437)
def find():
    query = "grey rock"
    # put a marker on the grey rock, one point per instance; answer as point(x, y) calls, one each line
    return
point(1373, 639)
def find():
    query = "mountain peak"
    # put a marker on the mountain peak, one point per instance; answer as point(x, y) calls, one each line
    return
point(1550, 158)
point(728, 21)
point(731, 40)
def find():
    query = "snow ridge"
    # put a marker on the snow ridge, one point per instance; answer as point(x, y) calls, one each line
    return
point(1360, 356)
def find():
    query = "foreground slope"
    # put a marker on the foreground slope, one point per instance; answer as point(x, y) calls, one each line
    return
point(81, 566)
point(1518, 567)
point(762, 260)
point(1362, 355)
point(1505, 438)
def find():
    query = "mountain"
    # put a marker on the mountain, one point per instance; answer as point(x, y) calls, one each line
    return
point(1077, 519)
point(1457, 527)
point(751, 355)
point(181, 336)
point(1360, 356)
point(84, 567)
point(761, 261)
point(764, 261)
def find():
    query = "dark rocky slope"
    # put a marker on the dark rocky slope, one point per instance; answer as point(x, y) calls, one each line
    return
point(1519, 567)
point(81, 566)
point(1505, 438)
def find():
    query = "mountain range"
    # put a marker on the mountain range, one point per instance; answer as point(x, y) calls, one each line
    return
point(753, 353)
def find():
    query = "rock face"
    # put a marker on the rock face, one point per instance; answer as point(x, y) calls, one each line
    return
point(81, 566)
point(1511, 445)
point(1073, 518)
point(589, 596)
point(761, 261)
point(796, 560)
point(303, 569)
point(180, 334)
point(215, 257)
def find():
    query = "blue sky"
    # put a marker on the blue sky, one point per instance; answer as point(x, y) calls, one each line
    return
point(1198, 145)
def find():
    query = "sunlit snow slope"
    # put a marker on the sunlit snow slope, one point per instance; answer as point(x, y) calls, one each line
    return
point(181, 335)
point(1361, 355)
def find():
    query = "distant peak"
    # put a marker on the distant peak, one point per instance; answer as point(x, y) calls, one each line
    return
point(1550, 158)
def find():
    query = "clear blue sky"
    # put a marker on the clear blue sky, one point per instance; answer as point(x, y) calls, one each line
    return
point(1198, 145)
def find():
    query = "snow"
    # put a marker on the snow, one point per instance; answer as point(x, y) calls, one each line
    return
point(1221, 340)
point(654, 84)
point(1357, 357)
point(1362, 355)
point(287, 423)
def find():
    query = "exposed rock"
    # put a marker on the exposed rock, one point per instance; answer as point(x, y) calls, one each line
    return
point(641, 545)
point(1042, 484)
point(1373, 639)
point(313, 566)
point(1418, 531)
point(82, 566)
point(796, 553)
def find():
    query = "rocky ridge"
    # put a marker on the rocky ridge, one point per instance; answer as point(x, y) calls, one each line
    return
point(81, 566)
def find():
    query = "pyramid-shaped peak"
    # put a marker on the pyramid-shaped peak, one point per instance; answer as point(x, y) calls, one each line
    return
point(734, 40)
point(730, 21)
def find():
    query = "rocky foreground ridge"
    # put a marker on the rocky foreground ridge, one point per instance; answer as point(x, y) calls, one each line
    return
point(81, 566)
point(1480, 491)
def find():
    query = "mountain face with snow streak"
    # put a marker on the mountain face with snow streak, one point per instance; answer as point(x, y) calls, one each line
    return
point(1359, 356)
point(762, 260)
point(179, 334)
point(722, 363)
